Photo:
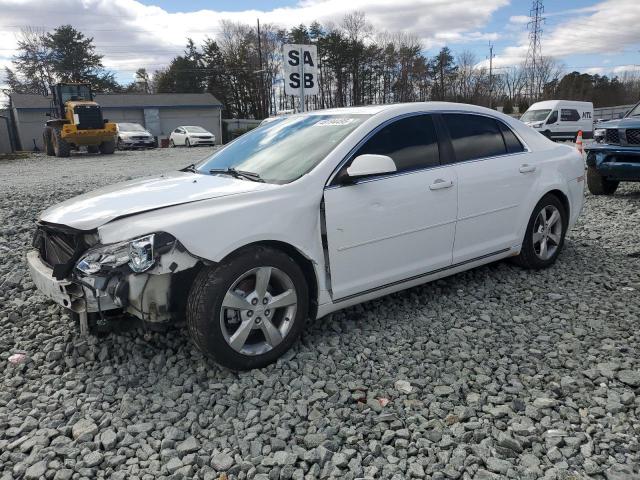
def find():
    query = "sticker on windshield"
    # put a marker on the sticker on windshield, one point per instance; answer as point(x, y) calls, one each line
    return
point(331, 122)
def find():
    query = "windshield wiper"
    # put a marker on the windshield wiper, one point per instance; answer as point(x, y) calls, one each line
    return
point(254, 177)
point(189, 168)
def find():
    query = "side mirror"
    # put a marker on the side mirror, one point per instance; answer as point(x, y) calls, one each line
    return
point(370, 164)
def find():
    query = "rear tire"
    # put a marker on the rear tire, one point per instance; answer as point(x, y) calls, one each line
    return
point(60, 147)
point(599, 185)
point(227, 299)
point(48, 142)
point(544, 227)
point(93, 149)
point(108, 147)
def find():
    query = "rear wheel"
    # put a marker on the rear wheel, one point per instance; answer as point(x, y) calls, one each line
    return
point(249, 310)
point(545, 234)
point(108, 147)
point(48, 142)
point(60, 147)
point(598, 184)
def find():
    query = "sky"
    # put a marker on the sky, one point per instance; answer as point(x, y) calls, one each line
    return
point(594, 36)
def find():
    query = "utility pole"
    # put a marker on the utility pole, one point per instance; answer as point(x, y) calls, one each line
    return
point(491, 75)
point(261, 96)
point(534, 55)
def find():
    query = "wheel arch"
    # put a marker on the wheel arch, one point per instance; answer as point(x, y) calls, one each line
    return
point(307, 266)
point(564, 199)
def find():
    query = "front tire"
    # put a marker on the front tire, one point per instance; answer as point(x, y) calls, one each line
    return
point(187, 143)
point(248, 310)
point(60, 147)
point(544, 237)
point(599, 185)
point(172, 143)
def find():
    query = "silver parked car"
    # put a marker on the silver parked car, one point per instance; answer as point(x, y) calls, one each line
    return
point(134, 135)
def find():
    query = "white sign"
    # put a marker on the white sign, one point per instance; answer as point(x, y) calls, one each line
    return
point(300, 70)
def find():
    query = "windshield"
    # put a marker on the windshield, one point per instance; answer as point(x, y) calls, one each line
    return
point(635, 111)
point(283, 150)
point(74, 93)
point(535, 115)
point(131, 127)
point(195, 129)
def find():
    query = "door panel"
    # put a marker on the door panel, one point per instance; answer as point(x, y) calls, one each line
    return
point(492, 196)
point(388, 229)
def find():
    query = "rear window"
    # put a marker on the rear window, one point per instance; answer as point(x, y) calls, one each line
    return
point(511, 141)
point(474, 136)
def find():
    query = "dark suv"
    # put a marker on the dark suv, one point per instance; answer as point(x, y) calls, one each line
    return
point(614, 157)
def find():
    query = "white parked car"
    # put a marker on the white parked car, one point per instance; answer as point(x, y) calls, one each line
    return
point(191, 136)
point(307, 215)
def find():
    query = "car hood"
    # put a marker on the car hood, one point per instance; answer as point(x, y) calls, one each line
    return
point(629, 122)
point(93, 209)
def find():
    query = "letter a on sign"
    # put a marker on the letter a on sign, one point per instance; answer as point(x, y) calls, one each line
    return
point(300, 70)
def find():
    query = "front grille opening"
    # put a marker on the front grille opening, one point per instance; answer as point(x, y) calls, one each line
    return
point(612, 136)
point(59, 249)
point(633, 136)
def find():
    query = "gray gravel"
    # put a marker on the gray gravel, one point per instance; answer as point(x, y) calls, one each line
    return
point(493, 373)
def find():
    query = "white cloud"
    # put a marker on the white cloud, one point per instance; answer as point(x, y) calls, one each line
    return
point(607, 27)
point(131, 35)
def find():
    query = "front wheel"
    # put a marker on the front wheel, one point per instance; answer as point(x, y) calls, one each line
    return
point(544, 237)
point(172, 144)
point(249, 310)
point(187, 143)
point(599, 185)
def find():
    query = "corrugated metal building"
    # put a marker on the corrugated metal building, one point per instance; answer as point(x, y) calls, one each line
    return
point(159, 113)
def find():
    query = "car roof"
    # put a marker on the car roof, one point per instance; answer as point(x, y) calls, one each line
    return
point(404, 108)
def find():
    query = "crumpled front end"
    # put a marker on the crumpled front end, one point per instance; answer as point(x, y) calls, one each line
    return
point(143, 277)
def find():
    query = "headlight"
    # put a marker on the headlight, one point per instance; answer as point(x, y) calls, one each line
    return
point(138, 254)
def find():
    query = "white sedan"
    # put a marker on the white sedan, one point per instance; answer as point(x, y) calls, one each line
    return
point(307, 215)
point(191, 136)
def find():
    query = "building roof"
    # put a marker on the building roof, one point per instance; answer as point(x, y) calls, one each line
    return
point(129, 100)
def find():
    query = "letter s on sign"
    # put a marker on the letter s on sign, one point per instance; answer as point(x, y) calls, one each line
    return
point(294, 58)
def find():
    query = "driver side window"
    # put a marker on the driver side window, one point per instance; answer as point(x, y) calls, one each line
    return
point(411, 142)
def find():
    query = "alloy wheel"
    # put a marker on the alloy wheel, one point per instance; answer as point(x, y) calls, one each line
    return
point(258, 310)
point(547, 232)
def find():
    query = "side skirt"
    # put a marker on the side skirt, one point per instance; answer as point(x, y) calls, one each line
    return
point(344, 302)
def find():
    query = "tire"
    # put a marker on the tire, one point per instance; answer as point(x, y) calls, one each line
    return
point(93, 149)
point(547, 133)
point(48, 142)
point(119, 144)
point(531, 255)
point(172, 144)
point(60, 147)
point(599, 185)
point(108, 147)
point(212, 325)
point(187, 143)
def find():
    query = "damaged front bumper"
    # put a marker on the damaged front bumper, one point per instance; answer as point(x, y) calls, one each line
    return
point(150, 295)
point(619, 163)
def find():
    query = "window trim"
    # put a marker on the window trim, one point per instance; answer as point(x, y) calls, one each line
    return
point(350, 156)
point(525, 147)
point(444, 143)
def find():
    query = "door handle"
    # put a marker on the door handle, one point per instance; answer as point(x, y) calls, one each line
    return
point(440, 183)
point(526, 168)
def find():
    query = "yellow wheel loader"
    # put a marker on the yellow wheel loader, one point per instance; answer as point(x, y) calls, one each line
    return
point(76, 121)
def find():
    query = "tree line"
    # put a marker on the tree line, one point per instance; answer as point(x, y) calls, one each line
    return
point(357, 66)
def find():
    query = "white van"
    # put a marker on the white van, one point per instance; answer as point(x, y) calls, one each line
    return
point(560, 119)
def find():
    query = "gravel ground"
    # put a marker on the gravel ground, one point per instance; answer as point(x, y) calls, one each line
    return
point(493, 373)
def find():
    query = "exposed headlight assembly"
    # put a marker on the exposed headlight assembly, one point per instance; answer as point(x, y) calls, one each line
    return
point(599, 134)
point(138, 254)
